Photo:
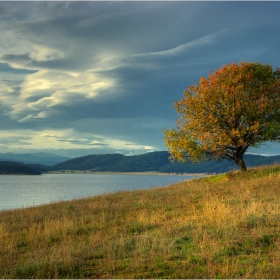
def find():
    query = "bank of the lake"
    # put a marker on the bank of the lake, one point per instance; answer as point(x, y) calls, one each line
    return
point(223, 226)
point(144, 173)
point(23, 191)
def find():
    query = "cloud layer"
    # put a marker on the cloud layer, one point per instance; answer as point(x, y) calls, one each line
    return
point(105, 75)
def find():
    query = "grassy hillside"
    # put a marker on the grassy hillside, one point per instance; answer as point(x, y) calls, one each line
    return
point(224, 226)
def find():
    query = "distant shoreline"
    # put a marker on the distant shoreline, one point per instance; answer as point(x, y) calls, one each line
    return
point(144, 173)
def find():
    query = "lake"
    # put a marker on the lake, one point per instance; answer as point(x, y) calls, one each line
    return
point(18, 191)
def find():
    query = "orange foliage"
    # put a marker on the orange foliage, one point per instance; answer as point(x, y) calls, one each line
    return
point(235, 107)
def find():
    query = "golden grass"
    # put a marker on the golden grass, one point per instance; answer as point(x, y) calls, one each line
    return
point(224, 226)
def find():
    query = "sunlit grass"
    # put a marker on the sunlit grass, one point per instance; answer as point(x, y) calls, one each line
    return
point(224, 226)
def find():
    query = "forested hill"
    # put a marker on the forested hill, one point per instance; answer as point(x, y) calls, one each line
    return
point(11, 168)
point(156, 161)
point(116, 162)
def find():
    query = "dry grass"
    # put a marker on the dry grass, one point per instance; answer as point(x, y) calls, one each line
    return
point(225, 226)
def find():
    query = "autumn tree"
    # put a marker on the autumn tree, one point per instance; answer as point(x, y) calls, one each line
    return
point(235, 107)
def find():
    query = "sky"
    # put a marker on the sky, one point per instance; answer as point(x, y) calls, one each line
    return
point(80, 78)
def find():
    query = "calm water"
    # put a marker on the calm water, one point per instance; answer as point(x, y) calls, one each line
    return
point(23, 191)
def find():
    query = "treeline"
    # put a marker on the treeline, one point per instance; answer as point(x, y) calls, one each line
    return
point(116, 162)
point(11, 167)
point(156, 161)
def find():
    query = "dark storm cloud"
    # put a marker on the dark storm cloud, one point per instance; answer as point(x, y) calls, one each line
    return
point(108, 73)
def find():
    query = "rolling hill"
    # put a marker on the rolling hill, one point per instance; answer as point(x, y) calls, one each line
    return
point(155, 161)
point(12, 168)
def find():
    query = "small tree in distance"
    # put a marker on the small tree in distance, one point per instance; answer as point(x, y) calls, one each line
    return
point(236, 107)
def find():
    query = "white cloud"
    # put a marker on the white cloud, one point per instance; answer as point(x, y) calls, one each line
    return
point(203, 41)
point(41, 104)
point(41, 115)
point(41, 53)
point(51, 88)
point(66, 139)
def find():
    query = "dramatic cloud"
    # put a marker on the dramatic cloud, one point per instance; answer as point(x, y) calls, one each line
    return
point(103, 76)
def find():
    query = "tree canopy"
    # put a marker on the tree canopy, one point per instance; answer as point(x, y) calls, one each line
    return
point(235, 107)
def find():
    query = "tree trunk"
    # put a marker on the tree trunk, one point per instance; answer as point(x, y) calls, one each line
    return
point(242, 166)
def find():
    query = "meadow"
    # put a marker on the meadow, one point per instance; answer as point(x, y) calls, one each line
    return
point(222, 226)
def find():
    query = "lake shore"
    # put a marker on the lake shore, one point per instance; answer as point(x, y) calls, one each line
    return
point(145, 173)
point(67, 186)
point(218, 227)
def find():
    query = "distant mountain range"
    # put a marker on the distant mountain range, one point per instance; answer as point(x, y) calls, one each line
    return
point(154, 161)
point(36, 158)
